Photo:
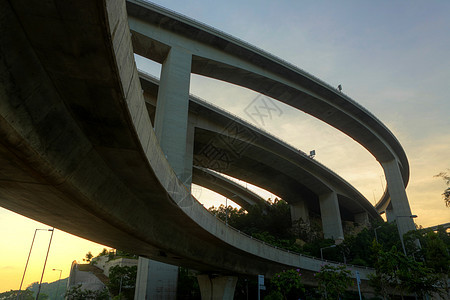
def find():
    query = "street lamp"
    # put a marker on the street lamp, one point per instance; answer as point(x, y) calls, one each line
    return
point(28, 259)
point(226, 208)
point(321, 253)
point(226, 211)
point(57, 286)
point(43, 269)
point(398, 228)
point(375, 230)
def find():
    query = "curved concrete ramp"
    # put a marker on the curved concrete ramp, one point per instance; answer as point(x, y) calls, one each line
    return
point(227, 187)
point(78, 150)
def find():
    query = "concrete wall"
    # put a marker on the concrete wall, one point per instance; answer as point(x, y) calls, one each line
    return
point(87, 280)
point(105, 264)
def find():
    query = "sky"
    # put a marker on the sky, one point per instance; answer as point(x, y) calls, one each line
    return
point(392, 57)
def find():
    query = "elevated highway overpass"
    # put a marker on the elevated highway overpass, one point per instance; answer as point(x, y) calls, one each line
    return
point(227, 187)
point(212, 53)
point(264, 160)
point(78, 150)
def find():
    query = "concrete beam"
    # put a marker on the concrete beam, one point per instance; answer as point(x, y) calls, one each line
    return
point(331, 217)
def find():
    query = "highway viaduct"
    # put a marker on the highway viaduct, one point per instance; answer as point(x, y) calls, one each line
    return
point(78, 150)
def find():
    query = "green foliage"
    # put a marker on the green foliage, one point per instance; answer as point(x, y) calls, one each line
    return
point(434, 248)
point(271, 224)
point(446, 177)
point(54, 290)
point(187, 285)
point(274, 219)
point(333, 281)
point(89, 256)
point(287, 283)
point(396, 271)
point(42, 296)
point(76, 293)
point(104, 252)
point(275, 295)
point(12, 295)
point(122, 280)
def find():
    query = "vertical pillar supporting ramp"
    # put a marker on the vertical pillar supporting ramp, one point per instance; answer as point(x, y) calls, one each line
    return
point(399, 205)
point(156, 280)
point(217, 287)
point(331, 216)
point(299, 210)
point(172, 109)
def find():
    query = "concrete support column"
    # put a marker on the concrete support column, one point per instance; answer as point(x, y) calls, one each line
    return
point(172, 109)
point(331, 217)
point(362, 219)
point(390, 215)
point(399, 199)
point(217, 288)
point(155, 280)
point(189, 153)
point(299, 210)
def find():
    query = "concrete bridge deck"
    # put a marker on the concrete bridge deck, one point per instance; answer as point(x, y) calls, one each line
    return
point(78, 150)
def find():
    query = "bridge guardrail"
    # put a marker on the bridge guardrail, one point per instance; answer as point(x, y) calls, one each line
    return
point(278, 248)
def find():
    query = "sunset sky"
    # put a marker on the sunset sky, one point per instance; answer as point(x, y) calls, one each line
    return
point(392, 57)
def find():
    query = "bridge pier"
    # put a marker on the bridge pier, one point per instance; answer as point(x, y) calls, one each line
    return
point(399, 209)
point(331, 217)
point(299, 210)
point(217, 287)
point(155, 280)
point(362, 218)
point(172, 110)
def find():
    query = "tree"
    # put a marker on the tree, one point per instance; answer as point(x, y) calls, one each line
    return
point(434, 252)
point(287, 283)
point(104, 252)
point(187, 285)
point(333, 281)
point(446, 177)
point(12, 295)
point(89, 256)
point(394, 270)
point(122, 280)
point(76, 293)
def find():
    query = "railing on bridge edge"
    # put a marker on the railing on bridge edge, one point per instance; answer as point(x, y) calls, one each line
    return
point(278, 248)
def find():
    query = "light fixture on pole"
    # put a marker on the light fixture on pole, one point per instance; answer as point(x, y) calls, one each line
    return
point(46, 257)
point(28, 259)
point(399, 233)
point(226, 208)
point(226, 211)
point(321, 253)
point(375, 230)
point(57, 286)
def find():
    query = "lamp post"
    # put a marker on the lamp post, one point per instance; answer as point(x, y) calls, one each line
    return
point(226, 208)
point(46, 257)
point(375, 230)
point(57, 286)
point(321, 253)
point(28, 259)
point(226, 211)
point(398, 228)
